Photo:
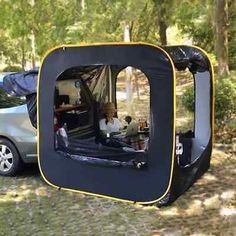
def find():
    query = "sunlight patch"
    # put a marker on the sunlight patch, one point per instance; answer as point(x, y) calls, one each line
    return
point(212, 202)
point(209, 177)
point(228, 195)
point(41, 191)
point(195, 208)
point(12, 196)
point(173, 211)
point(227, 211)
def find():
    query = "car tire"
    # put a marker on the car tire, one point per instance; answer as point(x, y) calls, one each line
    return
point(10, 161)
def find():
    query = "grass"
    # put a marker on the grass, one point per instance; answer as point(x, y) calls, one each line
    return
point(28, 206)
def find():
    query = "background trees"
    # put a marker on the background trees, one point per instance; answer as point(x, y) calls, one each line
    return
point(221, 23)
point(28, 28)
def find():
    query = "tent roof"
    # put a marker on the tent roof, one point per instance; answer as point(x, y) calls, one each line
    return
point(25, 83)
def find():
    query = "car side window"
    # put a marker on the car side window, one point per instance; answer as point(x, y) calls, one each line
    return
point(7, 101)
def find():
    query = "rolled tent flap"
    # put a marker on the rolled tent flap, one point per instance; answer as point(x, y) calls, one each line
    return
point(188, 57)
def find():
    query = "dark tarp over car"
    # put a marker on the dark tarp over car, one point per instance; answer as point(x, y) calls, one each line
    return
point(24, 84)
point(21, 83)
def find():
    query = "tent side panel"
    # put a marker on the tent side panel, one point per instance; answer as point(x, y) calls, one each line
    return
point(199, 64)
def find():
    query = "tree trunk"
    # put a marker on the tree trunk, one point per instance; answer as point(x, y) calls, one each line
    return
point(220, 26)
point(137, 86)
point(127, 32)
point(23, 60)
point(160, 8)
point(33, 46)
point(128, 74)
point(82, 4)
point(162, 31)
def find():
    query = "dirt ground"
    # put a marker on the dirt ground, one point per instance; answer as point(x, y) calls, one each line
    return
point(28, 206)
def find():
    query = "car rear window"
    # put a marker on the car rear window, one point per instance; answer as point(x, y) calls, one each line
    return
point(7, 101)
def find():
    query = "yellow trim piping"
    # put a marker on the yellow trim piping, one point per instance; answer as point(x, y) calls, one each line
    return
point(174, 123)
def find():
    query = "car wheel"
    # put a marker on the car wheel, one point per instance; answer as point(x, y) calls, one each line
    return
point(10, 162)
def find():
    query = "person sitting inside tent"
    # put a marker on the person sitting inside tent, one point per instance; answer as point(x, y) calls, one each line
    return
point(109, 124)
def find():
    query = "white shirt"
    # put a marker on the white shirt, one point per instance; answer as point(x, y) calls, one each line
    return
point(109, 127)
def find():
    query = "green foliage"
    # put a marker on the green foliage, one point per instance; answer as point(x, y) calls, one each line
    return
point(68, 22)
point(46, 20)
point(225, 97)
point(232, 34)
point(194, 19)
point(225, 100)
point(188, 99)
point(12, 69)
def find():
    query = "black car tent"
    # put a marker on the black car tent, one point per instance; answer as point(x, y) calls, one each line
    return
point(87, 162)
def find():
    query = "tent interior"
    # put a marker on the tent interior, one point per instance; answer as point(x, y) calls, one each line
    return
point(196, 135)
point(80, 94)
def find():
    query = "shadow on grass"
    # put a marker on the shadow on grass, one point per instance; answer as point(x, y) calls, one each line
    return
point(30, 170)
point(207, 208)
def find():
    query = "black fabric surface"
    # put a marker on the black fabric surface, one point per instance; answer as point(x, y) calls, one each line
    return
point(31, 101)
point(188, 57)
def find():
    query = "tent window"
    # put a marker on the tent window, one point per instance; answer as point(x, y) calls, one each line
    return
point(73, 107)
point(80, 96)
point(133, 105)
point(184, 96)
